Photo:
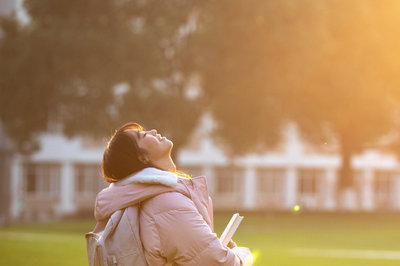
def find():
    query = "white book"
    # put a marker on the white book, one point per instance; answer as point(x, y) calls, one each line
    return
point(230, 229)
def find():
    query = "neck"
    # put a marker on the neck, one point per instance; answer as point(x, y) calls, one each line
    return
point(166, 164)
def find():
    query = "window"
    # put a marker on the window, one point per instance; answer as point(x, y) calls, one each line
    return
point(228, 180)
point(383, 182)
point(88, 179)
point(270, 187)
point(384, 189)
point(41, 178)
point(308, 180)
point(310, 194)
point(270, 181)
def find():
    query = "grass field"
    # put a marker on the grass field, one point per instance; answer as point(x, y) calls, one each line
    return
point(275, 239)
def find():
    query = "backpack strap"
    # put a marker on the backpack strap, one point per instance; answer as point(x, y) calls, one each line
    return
point(97, 254)
point(103, 234)
point(111, 224)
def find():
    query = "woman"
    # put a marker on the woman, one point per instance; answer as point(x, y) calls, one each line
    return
point(175, 217)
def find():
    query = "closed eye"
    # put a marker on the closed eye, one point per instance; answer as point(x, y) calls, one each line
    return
point(140, 136)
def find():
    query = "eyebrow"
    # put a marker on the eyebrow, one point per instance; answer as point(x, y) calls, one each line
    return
point(140, 136)
point(137, 134)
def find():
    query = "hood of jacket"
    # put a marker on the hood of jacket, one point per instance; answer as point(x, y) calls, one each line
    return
point(137, 188)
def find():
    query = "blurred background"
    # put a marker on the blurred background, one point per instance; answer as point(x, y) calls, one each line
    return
point(290, 108)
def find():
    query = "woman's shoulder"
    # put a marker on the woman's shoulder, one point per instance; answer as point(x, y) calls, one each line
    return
point(168, 201)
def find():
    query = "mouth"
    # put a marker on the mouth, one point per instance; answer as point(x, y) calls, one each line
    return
point(160, 138)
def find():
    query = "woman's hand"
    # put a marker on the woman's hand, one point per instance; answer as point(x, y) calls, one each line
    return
point(231, 244)
point(244, 254)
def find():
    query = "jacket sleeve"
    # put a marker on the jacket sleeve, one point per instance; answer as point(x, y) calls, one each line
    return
point(210, 210)
point(186, 239)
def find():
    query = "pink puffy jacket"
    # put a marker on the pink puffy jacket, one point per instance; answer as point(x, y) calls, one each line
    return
point(176, 222)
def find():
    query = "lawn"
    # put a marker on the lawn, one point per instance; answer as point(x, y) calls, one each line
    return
point(276, 239)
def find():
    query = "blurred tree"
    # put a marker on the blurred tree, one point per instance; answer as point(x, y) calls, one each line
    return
point(89, 66)
point(348, 85)
point(331, 66)
point(86, 67)
point(237, 55)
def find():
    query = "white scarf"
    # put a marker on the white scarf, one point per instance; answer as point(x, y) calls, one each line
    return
point(150, 175)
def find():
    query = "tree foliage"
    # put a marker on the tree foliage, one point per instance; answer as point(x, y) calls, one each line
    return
point(90, 66)
point(244, 82)
point(330, 66)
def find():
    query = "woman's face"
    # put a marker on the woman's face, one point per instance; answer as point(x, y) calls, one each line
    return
point(154, 144)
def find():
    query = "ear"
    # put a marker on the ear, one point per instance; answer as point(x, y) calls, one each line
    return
point(144, 158)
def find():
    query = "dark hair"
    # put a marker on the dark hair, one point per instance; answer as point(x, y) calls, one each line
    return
point(121, 156)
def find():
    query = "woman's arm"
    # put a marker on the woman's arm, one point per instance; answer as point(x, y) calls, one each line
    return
point(186, 239)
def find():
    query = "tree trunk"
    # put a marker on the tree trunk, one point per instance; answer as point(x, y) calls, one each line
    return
point(5, 192)
point(346, 172)
point(345, 186)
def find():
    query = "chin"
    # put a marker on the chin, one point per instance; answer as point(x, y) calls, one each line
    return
point(172, 144)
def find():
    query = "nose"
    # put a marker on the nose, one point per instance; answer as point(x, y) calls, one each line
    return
point(153, 132)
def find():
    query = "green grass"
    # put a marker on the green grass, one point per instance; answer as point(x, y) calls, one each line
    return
point(275, 237)
point(44, 244)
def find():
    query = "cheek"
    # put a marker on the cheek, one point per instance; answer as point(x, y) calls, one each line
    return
point(162, 149)
point(147, 145)
point(155, 148)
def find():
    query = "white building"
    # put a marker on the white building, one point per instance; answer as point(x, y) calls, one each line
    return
point(64, 177)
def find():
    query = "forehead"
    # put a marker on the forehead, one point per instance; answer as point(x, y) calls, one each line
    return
point(134, 133)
